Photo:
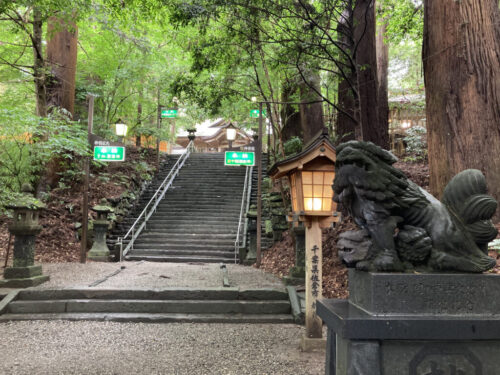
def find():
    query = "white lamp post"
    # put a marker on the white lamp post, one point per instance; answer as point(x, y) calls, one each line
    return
point(121, 130)
point(230, 134)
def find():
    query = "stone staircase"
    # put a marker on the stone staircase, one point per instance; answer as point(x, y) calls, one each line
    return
point(122, 227)
point(210, 305)
point(198, 218)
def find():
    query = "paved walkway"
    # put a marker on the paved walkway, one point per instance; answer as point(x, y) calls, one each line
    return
point(59, 347)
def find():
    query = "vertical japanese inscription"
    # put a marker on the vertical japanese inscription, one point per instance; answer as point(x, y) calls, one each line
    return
point(315, 273)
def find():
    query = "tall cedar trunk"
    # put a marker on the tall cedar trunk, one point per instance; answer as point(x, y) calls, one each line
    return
point(382, 69)
point(311, 115)
point(290, 118)
point(461, 58)
point(61, 57)
point(366, 67)
point(348, 126)
point(39, 64)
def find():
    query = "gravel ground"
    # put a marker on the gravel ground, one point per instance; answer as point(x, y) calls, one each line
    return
point(153, 275)
point(58, 347)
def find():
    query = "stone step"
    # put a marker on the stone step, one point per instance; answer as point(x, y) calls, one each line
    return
point(167, 220)
point(188, 251)
point(150, 306)
point(189, 236)
point(179, 259)
point(156, 318)
point(194, 243)
point(188, 231)
point(208, 211)
point(172, 293)
point(219, 205)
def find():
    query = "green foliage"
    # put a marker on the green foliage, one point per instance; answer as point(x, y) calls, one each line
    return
point(292, 146)
point(405, 19)
point(405, 70)
point(416, 143)
point(29, 142)
point(144, 170)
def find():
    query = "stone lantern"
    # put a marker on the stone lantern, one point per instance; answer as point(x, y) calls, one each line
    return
point(25, 228)
point(100, 250)
point(311, 173)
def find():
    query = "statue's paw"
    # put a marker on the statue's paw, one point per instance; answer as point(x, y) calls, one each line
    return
point(387, 262)
point(364, 265)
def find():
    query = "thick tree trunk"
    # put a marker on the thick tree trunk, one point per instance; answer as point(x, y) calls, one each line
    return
point(61, 57)
point(382, 70)
point(461, 58)
point(366, 69)
point(290, 118)
point(39, 64)
point(348, 126)
point(311, 115)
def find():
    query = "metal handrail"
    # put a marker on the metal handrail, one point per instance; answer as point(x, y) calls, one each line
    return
point(150, 207)
point(245, 204)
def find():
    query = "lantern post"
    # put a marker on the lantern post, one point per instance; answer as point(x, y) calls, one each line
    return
point(311, 174)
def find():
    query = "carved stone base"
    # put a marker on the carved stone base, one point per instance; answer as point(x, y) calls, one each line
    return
point(308, 344)
point(416, 324)
point(98, 256)
point(23, 277)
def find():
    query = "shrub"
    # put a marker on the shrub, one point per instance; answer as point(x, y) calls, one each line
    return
point(416, 143)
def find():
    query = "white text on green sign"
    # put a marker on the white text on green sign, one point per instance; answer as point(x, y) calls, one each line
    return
point(239, 158)
point(168, 113)
point(109, 153)
point(254, 113)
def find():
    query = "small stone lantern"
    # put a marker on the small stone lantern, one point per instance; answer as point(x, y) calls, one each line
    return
point(25, 228)
point(311, 173)
point(100, 251)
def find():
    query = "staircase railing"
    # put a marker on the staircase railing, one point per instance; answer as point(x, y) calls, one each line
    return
point(243, 221)
point(150, 208)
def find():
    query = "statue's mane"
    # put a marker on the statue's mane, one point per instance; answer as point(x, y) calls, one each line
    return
point(369, 169)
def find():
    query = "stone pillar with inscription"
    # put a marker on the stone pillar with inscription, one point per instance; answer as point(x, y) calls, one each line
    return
point(415, 324)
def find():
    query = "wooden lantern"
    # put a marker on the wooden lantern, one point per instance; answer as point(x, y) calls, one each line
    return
point(311, 173)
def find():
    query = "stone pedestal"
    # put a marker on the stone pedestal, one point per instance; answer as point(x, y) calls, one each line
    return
point(100, 251)
point(416, 324)
point(297, 273)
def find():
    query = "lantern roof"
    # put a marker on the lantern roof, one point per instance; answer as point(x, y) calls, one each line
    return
point(319, 146)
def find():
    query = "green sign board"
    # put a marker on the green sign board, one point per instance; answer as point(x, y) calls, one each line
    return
point(168, 113)
point(109, 153)
point(254, 113)
point(240, 158)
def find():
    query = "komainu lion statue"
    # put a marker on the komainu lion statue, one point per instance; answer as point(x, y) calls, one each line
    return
point(402, 226)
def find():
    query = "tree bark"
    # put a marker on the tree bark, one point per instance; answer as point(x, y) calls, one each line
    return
point(366, 68)
point(311, 115)
point(290, 118)
point(382, 70)
point(39, 65)
point(62, 50)
point(348, 126)
point(461, 62)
